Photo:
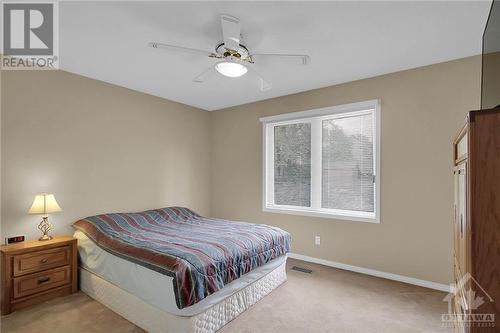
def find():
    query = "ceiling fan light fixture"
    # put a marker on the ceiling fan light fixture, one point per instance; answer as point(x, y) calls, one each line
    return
point(231, 69)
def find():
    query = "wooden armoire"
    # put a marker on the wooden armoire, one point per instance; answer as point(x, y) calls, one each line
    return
point(476, 227)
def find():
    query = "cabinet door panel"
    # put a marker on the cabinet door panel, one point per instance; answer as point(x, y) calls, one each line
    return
point(462, 217)
point(456, 228)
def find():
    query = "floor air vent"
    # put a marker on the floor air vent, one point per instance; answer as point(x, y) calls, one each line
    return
point(303, 270)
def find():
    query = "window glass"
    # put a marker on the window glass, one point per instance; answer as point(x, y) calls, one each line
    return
point(292, 164)
point(347, 164)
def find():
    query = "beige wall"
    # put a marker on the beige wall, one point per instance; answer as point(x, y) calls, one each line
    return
point(102, 148)
point(422, 110)
point(491, 78)
point(98, 147)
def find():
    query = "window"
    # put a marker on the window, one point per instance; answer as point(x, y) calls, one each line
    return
point(324, 162)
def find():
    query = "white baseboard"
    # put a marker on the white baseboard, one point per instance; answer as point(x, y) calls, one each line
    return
point(372, 272)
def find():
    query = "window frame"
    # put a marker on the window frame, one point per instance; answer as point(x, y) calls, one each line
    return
point(316, 117)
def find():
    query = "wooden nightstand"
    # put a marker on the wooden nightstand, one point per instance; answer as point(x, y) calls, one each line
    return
point(36, 271)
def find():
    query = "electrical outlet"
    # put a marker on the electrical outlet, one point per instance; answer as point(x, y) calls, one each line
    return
point(317, 240)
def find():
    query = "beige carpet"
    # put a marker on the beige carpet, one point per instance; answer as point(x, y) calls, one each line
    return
point(328, 300)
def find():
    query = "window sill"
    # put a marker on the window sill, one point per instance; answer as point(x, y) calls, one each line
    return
point(334, 215)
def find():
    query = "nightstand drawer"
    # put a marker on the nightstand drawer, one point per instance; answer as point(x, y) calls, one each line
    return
point(41, 260)
point(38, 282)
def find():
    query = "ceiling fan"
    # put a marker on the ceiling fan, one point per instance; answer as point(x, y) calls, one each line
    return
point(233, 57)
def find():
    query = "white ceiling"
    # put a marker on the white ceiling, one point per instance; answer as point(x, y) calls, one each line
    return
point(346, 41)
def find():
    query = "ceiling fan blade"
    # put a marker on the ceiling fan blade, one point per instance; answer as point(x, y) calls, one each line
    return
point(303, 58)
point(205, 74)
point(264, 85)
point(156, 45)
point(230, 32)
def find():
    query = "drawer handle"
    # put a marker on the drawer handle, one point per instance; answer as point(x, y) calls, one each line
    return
point(44, 260)
point(43, 279)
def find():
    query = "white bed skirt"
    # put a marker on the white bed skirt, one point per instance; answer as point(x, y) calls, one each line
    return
point(154, 320)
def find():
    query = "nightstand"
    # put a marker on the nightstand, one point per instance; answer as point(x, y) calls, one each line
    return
point(36, 271)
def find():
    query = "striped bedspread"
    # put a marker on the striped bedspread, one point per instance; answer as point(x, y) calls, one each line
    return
point(201, 254)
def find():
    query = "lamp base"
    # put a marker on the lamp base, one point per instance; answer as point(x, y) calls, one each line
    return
point(45, 227)
point(45, 238)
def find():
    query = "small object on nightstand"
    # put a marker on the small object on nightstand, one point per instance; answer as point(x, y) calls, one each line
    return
point(36, 271)
point(15, 239)
point(43, 204)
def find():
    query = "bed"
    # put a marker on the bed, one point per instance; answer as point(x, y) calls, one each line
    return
point(172, 270)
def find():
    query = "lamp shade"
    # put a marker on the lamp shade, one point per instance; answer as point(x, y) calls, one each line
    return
point(43, 204)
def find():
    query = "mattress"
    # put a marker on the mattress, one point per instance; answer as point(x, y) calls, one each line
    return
point(153, 287)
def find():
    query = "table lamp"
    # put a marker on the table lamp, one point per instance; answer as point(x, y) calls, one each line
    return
point(43, 204)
